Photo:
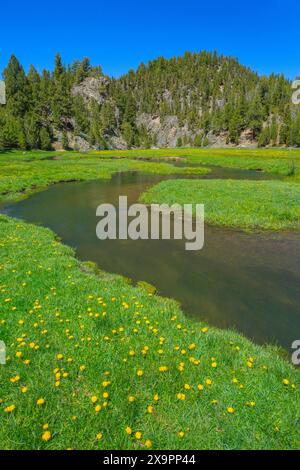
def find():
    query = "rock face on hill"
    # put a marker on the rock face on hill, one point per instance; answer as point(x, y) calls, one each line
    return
point(92, 88)
point(162, 132)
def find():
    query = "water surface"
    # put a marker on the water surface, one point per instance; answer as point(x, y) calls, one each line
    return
point(246, 281)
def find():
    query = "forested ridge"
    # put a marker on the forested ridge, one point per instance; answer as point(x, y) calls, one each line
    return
point(199, 99)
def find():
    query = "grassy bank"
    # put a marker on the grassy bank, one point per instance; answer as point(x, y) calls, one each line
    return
point(279, 161)
point(272, 205)
point(96, 363)
point(22, 173)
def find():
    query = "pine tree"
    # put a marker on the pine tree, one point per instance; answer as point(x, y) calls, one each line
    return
point(65, 140)
point(45, 140)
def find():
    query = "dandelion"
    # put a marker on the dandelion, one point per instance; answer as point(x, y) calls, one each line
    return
point(214, 364)
point(140, 373)
point(187, 386)
point(128, 430)
point(99, 436)
point(285, 381)
point(181, 396)
point(200, 387)
point(181, 434)
point(24, 389)
point(150, 409)
point(46, 436)
point(98, 408)
point(10, 408)
point(156, 397)
point(15, 379)
point(138, 435)
point(131, 398)
point(208, 382)
point(45, 426)
point(148, 443)
point(94, 399)
point(230, 410)
point(105, 395)
point(40, 402)
point(59, 357)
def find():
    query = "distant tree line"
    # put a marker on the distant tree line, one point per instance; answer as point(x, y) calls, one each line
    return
point(208, 93)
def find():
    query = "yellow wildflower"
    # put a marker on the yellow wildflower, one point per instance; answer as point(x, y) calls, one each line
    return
point(46, 436)
point(10, 408)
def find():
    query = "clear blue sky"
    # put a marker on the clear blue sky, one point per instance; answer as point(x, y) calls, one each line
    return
point(264, 34)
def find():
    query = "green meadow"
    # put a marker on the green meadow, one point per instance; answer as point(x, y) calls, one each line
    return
point(269, 205)
point(94, 362)
point(23, 173)
point(284, 162)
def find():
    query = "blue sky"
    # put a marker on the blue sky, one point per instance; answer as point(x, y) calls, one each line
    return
point(118, 35)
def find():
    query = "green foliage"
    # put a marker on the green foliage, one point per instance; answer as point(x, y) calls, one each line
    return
point(198, 140)
point(206, 92)
point(64, 140)
point(179, 142)
point(45, 140)
point(264, 137)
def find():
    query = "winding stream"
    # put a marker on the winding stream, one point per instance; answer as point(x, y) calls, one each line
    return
point(250, 282)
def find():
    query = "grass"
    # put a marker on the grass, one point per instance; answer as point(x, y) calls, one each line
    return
point(271, 205)
point(77, 338)
point(72, 335)
point(278, 161)
point(23, 173)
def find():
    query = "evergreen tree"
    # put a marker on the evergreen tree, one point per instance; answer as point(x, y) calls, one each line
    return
point(65, 140)
point(45, 140)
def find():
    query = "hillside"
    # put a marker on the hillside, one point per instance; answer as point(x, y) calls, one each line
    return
point(199, 99)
